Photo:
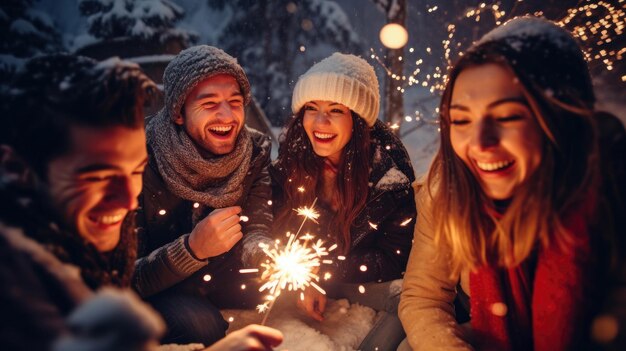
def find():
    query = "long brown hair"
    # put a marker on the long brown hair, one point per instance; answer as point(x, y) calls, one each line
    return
point(303, 168)
point(467, 220)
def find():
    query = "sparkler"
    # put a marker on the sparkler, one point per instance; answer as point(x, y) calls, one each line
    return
point(294, 266)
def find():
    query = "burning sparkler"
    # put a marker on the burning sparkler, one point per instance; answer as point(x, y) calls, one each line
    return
point(294, 266)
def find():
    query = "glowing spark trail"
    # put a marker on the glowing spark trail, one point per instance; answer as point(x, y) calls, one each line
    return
point(294, 266)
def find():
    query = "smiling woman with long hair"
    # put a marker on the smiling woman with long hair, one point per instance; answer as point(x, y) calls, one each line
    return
point(510, 209)
point(336, 151)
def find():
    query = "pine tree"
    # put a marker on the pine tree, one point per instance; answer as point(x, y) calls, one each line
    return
point(267, 36)
point(139, 19)
point(24, 32)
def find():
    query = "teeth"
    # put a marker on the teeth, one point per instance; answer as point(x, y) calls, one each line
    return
point(221, 129)
point(323, 135)
point(110, 219)
point(492, 166)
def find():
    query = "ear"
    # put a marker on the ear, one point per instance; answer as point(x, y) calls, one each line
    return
point(178, 119)
point(12, 166)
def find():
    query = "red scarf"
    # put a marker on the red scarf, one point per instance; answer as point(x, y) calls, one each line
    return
point(543, 304)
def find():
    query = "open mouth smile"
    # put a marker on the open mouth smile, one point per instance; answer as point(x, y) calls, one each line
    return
point(221, 131)
point(494, 166)
point(107, 220)
point(324, 137)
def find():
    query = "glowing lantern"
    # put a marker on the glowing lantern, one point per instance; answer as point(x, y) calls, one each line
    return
point(394, 36)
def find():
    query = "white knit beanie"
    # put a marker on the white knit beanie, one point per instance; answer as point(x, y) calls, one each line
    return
point(346, 79)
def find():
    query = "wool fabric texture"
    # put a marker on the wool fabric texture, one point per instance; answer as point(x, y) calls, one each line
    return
point(346, 79)
point(546, 309)
point(542, 54)
point(214, 182)
point(193, 65)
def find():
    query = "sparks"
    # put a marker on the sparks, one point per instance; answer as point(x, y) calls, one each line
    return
point(262, 307)
point(293, 266)
point(307, 236)
point(248, 270)
point(308, 213)
point(406, 221)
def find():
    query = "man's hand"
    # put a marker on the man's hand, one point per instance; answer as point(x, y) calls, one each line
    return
point(217, 233)
point(314, 303)
point(253, 337)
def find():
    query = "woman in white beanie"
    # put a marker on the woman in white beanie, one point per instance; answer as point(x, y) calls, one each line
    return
point(335, 150)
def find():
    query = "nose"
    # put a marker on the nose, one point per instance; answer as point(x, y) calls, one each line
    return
point(486, 134)
point(322, 117)
point(225, 110)
point(125, 190)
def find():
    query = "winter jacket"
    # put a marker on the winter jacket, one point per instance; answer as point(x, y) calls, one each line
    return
point(48, 274)
point(427, 307)
point(381, 233)
point(164, 223)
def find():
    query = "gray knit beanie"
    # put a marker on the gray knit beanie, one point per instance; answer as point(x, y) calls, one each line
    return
point(542, 54)
point(193, 65)
point(346, 79)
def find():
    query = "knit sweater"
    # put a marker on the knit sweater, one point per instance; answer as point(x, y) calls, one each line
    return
point(165, 221)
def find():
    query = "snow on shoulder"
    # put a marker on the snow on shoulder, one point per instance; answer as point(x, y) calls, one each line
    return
point(392, 179)
point(518, 30)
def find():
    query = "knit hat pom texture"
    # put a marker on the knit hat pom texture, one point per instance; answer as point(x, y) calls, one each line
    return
point(546, 53)
point(342, 78)
point(193, 65)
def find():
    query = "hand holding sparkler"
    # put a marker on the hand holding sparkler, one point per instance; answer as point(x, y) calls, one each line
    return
point(217, 233)
point(313, 303)
point(294, 266)
point(251, 337)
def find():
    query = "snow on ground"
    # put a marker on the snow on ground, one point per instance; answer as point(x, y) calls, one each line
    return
point(343, 329)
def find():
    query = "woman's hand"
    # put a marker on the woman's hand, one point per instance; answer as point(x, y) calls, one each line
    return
point(250, 338)
point(314, 303)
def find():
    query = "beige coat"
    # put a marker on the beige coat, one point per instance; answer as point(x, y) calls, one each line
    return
point(427, 301)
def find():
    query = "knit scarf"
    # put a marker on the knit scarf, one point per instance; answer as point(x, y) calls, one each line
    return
point(541, 305)
point(215, 181)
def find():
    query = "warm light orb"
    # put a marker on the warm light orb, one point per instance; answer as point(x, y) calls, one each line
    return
point(394, 36)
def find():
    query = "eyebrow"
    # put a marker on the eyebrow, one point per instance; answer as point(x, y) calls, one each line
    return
point(517, 99)
point(97, 167)
point(212, 95)
point(331, 104)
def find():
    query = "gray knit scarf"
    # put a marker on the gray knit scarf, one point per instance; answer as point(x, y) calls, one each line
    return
point(215, 182)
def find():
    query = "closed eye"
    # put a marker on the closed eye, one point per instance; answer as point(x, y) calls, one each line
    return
point(510, 118)
point(96, 178)
point(309, 108)
point(236, 102)
point(459, 122)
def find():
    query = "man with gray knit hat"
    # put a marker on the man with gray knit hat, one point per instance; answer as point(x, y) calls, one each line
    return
point(206, 170)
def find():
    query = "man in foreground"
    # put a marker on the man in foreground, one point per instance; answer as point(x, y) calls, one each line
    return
point(72, 154)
